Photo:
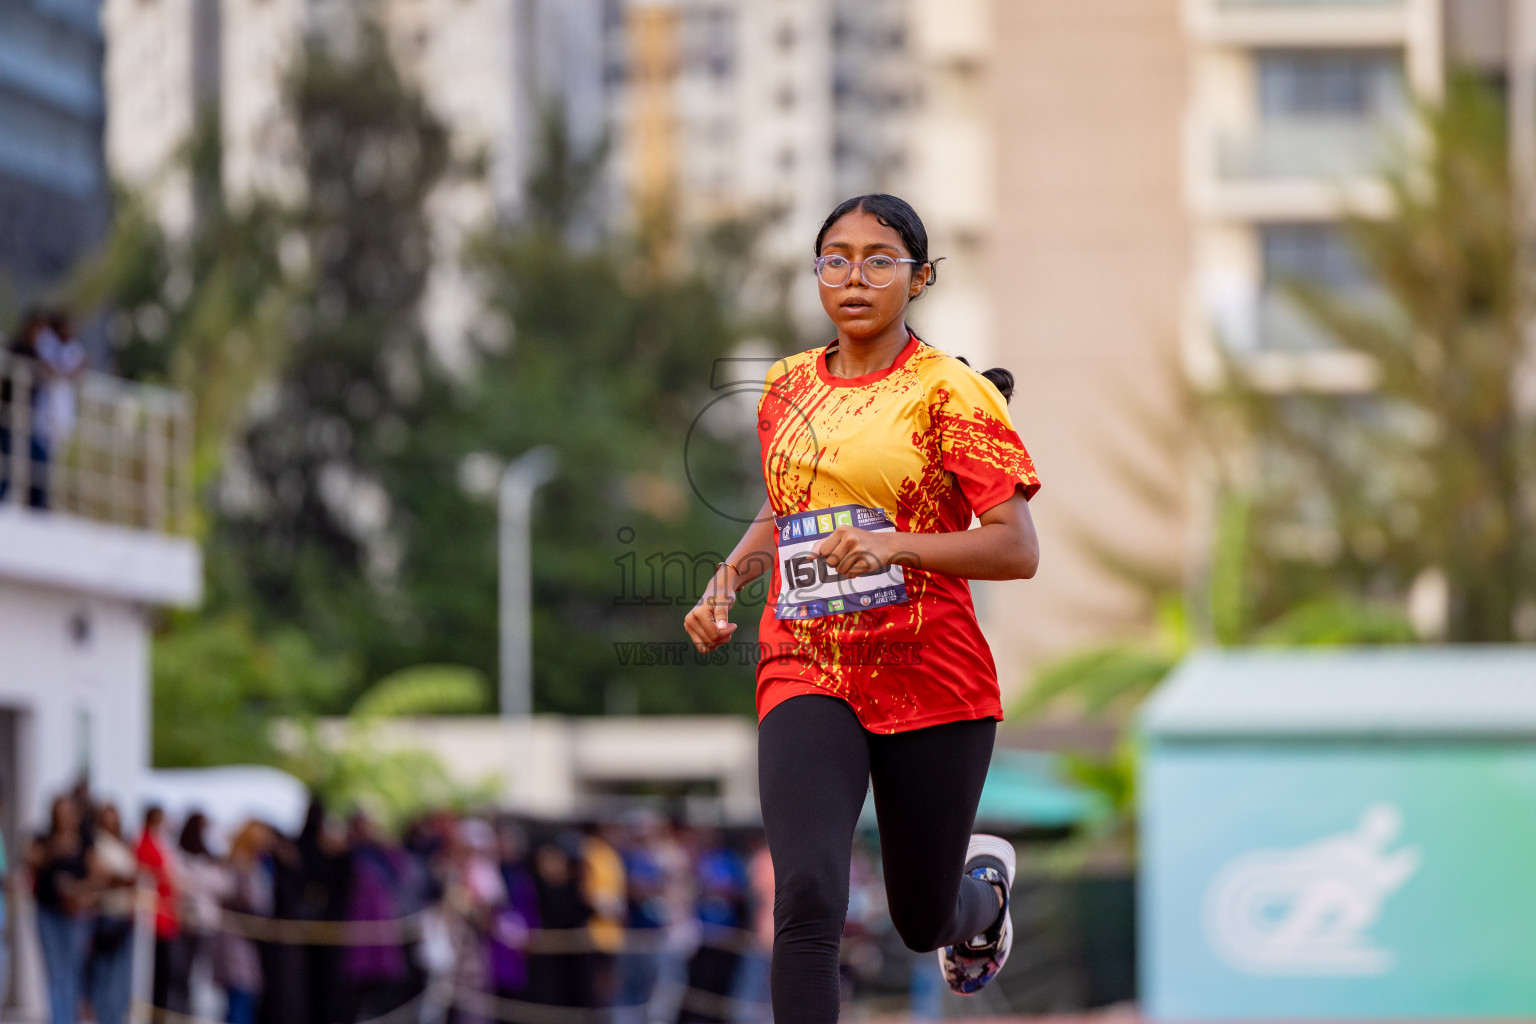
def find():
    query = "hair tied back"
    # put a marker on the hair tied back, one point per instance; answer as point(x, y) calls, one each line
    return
point(998, 377)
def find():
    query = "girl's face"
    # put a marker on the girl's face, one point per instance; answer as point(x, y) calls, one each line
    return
point(858, 310)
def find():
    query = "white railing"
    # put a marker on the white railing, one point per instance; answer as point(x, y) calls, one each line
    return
point(1315, 148)
point(95, 446)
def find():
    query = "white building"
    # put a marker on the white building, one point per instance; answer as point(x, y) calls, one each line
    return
point(556, 767)
point(78, 581)
point(160, 72)
point(947, 150)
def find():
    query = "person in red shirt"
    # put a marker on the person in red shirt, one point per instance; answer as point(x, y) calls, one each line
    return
point(878, 451)
point(155, 857)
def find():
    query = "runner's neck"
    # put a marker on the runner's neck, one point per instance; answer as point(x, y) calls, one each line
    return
point(848, 358)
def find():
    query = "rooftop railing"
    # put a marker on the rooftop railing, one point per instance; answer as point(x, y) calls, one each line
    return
point(95, 446)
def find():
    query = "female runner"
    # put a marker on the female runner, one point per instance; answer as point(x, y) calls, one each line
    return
point(877, 450)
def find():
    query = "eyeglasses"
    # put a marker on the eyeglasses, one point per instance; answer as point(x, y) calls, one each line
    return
point(875, 271)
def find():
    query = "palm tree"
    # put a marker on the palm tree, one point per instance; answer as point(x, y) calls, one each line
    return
point(1429, 473)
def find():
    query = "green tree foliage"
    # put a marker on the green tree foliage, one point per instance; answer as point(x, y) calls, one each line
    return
point(611, 364)
point(316, 542)
point(609, 359)
point(1109, 681)
point(205, 313)
point(218, 684)
point(1433, 470)
point(425, 690)
point(338, 458)
point(353, 767)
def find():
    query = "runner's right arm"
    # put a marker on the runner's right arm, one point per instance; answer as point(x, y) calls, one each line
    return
point(708, 624)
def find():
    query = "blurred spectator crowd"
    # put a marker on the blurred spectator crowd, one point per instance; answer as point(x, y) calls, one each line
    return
point(462, 919)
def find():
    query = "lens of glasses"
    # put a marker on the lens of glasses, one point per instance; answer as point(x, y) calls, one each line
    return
point(833, 270)
point(876, 271)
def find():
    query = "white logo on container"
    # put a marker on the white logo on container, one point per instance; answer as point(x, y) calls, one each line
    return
point(1306, 911)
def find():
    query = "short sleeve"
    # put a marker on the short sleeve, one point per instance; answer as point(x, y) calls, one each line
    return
point(978, 442)
point(775, 374)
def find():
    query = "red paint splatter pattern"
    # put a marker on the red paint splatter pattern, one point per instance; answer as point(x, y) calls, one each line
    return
point(928, 440)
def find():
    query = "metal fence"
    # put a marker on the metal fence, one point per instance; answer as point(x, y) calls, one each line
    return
point(95, 446)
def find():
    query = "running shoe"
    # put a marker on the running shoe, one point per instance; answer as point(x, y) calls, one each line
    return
point(968, 966)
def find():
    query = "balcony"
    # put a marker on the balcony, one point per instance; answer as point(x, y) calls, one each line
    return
point(1303, 22)
point(1292, 168)
point(95, 447)
point(1282, 325)
point(1331, 149)
point(96, 486)
point(1282, 349)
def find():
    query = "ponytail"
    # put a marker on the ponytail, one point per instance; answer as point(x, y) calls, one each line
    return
point(1000, 378)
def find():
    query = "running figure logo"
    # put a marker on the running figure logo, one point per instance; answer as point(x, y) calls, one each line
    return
point(1307, 911)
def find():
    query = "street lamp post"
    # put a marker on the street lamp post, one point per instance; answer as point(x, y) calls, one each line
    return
point(519, 481)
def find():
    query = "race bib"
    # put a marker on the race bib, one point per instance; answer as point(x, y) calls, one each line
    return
point(809, 588)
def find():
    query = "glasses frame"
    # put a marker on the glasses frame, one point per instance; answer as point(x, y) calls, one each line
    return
point(820, 262)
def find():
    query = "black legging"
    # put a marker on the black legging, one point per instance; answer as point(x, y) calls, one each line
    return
point(814, 762)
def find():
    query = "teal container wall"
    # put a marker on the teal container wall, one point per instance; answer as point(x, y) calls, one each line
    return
point(1333, 881)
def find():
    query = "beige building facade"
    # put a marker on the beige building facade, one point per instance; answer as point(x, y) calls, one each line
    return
point(1088, 257)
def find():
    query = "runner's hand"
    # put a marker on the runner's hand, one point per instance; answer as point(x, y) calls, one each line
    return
point(708, 624)
point(855, 552)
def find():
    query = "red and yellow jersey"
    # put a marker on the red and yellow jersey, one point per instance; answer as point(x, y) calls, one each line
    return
point(928, 440)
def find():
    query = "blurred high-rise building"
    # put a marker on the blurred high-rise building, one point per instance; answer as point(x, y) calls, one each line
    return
point(488, 69)
point(1294, 110)
point(53, 191)
point(710, 110)
point(765, 112)
point(1164, 169)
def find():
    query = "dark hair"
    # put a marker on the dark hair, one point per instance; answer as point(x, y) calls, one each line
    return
point(896, 214)
point(192, 839)
point(1001, 379)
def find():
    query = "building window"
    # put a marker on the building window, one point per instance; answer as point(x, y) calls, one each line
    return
point(786, 159)
point(786, 97)
point(1330, 83)
point(1318, 254)
point(786, 36)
